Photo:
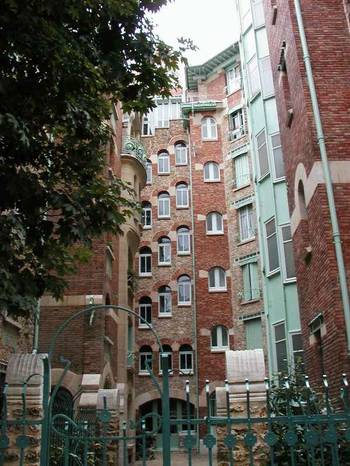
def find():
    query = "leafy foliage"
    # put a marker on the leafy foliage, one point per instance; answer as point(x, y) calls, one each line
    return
point(60, 61)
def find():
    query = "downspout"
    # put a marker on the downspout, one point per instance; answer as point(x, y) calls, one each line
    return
point(194, 320)
point(36, 328)
point(326, 173)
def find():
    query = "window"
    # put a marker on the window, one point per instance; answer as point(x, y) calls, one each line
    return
point(164, 251)
point(242, 172)
point(164, 294)
point(250, 282)
point(146, 359)
point(163, 163)
point(186, 359)
point(184, 290)
point(209, 128)
point(246, 14)
point(169, 353)
point(149, 172)
point(298, 353)
point(214, 224)
point(253, 76)
point(183, 241)
point(262, 154)
point(217, 279)
point(253, 333)
point(281, 347)
point(236, 125)
point(246, 222)
point(266, 77)
point(272, 247)
point(181, 195)
point(219, 338)
point(145, 311)
point(211, 171)
point(288, 257)
point(146, 215)
point(162, 114)
point(145, 262)
point(163, 205)
point(233, 79)
point(277, 156)
point(180, 153)
point(258, 13)
point(147, 125)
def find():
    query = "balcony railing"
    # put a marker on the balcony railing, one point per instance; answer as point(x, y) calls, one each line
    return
point(134, 147)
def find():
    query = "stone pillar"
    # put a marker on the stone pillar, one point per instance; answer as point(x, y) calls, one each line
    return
point(109, 399)
point(240, 366)
point(25, 377)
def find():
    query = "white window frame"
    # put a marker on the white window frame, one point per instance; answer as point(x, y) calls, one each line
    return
point(217, 287)
point(164, 294)
point(258, 148)
point(145, 355)
point(186, 370)
point(209, 129)
point(188, 285)
point(145, 211)
point(143, 258)
point(183, 234)
point(163, 163)
point(284, 262)
point(233, 79)
point(219, 337)
point(244, 178)
point(253, 73)
point(236, 117)
point(267, 237)
point(182, 194)
point(246, 214)
point(164, 200)
point(149, 166)
point(215, 230)
point(164, 246)
point(180, 154)
point(276, 324)
point(273, 149)
point(147, 127)
point(145, 307)
point(210, 178)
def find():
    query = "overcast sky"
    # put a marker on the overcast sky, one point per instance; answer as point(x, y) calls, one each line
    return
point(211, 24)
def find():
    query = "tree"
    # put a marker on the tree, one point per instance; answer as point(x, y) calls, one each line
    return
point(60, 61)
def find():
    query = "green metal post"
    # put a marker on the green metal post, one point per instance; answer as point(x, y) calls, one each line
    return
point(36, 328)
point(45, 427)
point(165, 411)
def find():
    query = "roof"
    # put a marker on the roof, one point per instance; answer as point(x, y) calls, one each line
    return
point(221, 60)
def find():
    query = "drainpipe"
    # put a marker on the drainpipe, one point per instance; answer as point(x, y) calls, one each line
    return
point(36, 328)
point(326, 173)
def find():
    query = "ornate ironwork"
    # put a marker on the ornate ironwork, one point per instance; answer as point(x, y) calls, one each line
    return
point(134, 147)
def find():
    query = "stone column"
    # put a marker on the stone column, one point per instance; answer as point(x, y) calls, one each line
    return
point(25, 377)
point(109, 399)
point(245, 442)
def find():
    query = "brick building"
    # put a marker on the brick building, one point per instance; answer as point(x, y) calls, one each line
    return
point(324, 313)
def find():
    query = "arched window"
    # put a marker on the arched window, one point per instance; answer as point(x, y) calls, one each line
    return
point(169, 352)
point(181, 195)
point(146, 215)
point(217, 279)
point(180, 153)
point(219, 338)
point(164, 301)
point(145, 262)
point(163, 205)
point(184, 290)
point(145, 312)
point(209, 128)
point(183, 241)
point(214, 223)
point(146, 359)
point(186, 359)
point(211, 172)
point(149, 171)
point(164, 251)
point(163, 163)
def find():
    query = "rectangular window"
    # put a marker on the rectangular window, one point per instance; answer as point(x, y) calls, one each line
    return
point(145, 360)
point(262, 154)
point(258, 13)
point(253, 77)
point(253, 333)
point(184, 293)
point(277, 156)
point(266, 77)
point(246, 13)
point(288, 256)
point(251, 289)
point(246, 222)
point(236, 125)
point(298, 352)
point(281, 347)
point(145, 311)
point(271, 243)
point(182, 196)
point(165, 303)
point(145, 264)
point(162, 112)
point(186, 362)
point(233, 79)
point(183, 243)
point(164, 254)
point(242, 174)
point(149, 172)
point(146, 217)
point(164, 207)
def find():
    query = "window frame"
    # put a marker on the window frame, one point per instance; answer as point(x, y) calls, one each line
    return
point(144, 355)
point(162, 157)
point(273, 148)
point(258, 147)
point(236, 133)
point(219, 338)
point(246, 212)
point(167, 198)
point(215, 288)
point(184, 147)
point(182, 284)
point(266, 236)
point(145, 256)
point(170, 357)
point(234, 84)
point(213, 136)
point(253, 293)
point(145, 210)
point(164, 245)
point(149, 174)
point(184, 188)
point(164, 294)
point(186, 370)
point(211, 180)
point(183, 233)
point(276, 324)
point(149, 309)
point(286, 279)
point(245, 178)
point(214, 232)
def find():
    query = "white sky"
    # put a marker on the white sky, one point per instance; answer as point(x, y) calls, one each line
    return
point(211, 24)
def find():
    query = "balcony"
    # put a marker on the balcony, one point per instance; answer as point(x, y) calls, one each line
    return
point(132, 147)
